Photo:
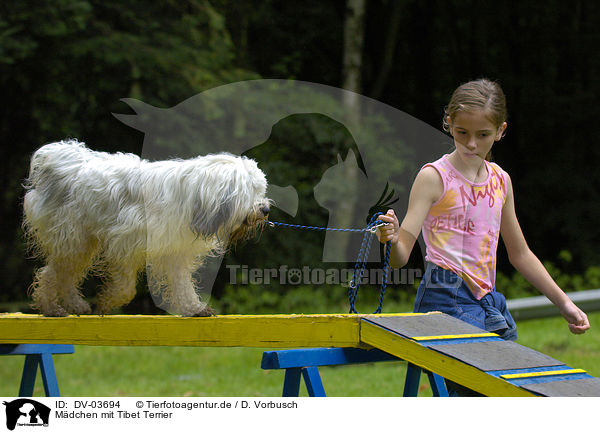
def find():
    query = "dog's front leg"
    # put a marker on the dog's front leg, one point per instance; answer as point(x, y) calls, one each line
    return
point(171, 282)
point(119, 289)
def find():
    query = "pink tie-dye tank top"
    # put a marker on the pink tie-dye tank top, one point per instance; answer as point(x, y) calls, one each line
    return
point(462, 228)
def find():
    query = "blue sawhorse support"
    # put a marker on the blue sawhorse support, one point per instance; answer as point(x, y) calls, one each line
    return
point(306, 362)
point(413, 376)
point(37, 354)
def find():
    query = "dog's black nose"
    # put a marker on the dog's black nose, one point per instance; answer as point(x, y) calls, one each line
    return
point(265, 210)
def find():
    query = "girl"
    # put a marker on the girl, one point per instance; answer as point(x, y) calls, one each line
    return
point(462, 203)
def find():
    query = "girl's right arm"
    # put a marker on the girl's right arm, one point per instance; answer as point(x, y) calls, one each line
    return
point(426, 190)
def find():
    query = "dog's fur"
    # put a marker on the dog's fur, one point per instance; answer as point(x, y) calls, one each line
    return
point(116, 213)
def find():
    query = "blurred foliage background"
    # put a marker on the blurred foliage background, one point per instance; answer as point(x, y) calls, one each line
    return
point(66, 64)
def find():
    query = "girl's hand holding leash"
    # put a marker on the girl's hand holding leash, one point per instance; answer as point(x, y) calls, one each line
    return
point(389, 232)
point(402, 241)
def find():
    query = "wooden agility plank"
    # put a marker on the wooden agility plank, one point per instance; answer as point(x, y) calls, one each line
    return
point(475, 362)
point(439, 363)
point(485, 355)
point(587, 387)
point(277, 331)
point(497, 355)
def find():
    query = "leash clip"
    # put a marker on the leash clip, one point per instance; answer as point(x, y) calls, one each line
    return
point(374, 227)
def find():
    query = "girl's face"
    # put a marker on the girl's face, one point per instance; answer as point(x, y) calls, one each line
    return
point(474, 134)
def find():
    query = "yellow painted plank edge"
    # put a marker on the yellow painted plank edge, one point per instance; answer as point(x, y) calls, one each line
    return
point(542, 373)
point(276, 331)
point(439, 363)
point(454, 336)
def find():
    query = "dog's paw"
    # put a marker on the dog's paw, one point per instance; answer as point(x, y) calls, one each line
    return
point(102, 309)
point(78, 307)
point(55, 312)
point(206, 312)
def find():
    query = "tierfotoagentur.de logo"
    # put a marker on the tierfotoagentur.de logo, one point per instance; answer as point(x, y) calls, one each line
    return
point(25, 412)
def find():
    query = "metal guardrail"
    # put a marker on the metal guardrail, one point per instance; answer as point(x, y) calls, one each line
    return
point(536, 307)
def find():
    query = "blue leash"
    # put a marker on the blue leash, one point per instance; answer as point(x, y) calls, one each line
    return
point(361, 261)
point(369, 228)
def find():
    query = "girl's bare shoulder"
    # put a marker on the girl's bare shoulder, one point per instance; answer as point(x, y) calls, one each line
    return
point(429, 183)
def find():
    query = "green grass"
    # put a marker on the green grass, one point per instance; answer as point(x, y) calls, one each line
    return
point(230, 372)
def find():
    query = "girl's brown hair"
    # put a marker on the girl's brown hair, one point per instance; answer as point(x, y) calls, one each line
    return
point(479, 95)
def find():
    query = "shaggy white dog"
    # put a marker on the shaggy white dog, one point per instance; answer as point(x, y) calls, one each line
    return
point(116, 213)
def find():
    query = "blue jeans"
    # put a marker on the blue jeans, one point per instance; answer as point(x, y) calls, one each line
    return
point(443, 290)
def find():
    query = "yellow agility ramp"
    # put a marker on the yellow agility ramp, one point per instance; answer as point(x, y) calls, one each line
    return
point(435, 342)
point(478, 360)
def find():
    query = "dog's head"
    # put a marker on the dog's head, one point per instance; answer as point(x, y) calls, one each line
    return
point(230, 201)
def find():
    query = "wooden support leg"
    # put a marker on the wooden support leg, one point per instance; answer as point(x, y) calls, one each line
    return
point(313, 382)
point(411, 383)
point(312, 379)
point(438, 387)
point(46, 364)
point(29, 374)
point(413, 377)
point(37, 355)
point(49, 375)
point(291, 382)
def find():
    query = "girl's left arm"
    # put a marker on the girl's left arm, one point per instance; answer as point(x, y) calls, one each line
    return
point(525, 261)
